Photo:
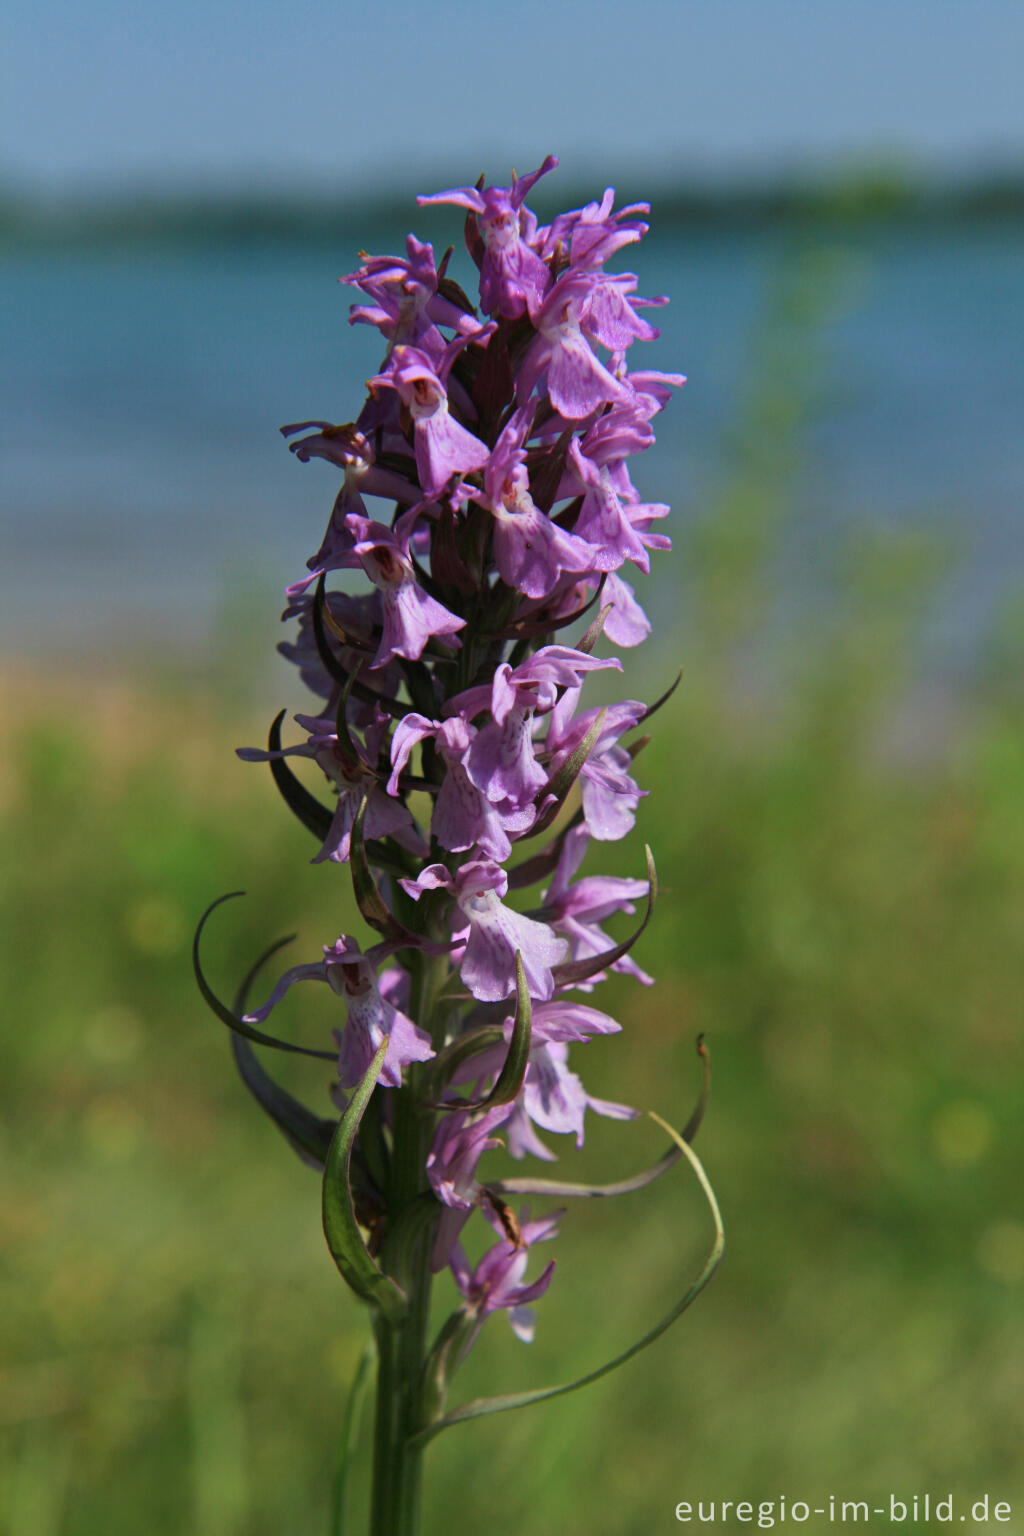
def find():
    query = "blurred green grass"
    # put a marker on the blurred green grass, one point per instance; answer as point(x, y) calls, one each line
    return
point(848, 935)
point(845, 922)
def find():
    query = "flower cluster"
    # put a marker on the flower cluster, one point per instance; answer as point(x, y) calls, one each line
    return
point(451, 725)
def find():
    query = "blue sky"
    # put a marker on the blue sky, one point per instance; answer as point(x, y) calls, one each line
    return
point(106, 95)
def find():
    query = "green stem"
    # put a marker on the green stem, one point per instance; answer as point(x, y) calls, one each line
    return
point(384, 1432)
point(405, 1255)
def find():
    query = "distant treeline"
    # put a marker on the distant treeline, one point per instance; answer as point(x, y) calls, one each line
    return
point(241, 218)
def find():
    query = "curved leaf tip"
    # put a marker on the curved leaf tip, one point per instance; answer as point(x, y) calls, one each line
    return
point(341, 1229)
point(224, 1013)
point(314, 815)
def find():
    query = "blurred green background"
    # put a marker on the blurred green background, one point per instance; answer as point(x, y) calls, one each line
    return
point(842, 912)
point(837, 787)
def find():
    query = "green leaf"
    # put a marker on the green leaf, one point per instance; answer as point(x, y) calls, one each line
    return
point(546, 625)
point(348, 1250)
point(572, 971)
point(370, 902)
point(561, 782)
point(225, 1014)
point(652, 709)
point(569, 1191)
point(440, 1070)
point(595, 629)
point(695, 1121)
point(315, 817)
point(445, 559)
point(332, 666)
point(322, 616)
point(409, 1230)
point(487, 1405)
point(547, 474)
point(442, 1362)
point(510, 1078)
point(561, 1190)
point(345, 742)
point(305, 1132)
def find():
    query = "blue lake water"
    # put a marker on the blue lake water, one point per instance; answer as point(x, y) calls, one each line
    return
point(145, 485)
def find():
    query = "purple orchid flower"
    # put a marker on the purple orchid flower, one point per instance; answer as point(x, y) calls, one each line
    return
point(513, 278)
point(578, 384)
point(355, 615)
point(552, 1098)
point(501, 761)
point(593, 234)
point(531, 552)
point(348, 448)
point(461, 1139)
point(623, 430)
point(352, 778)
point(371, 1016)
point(495, 932)
point(443, 447)
point(609, 316)
point(410, 618)
point(610, 796)
point(463, 816)
point(616, 530)
point(627, 624)
point(578, 909)
point(654, 389)
point(496, 1281)
point(405, 304)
